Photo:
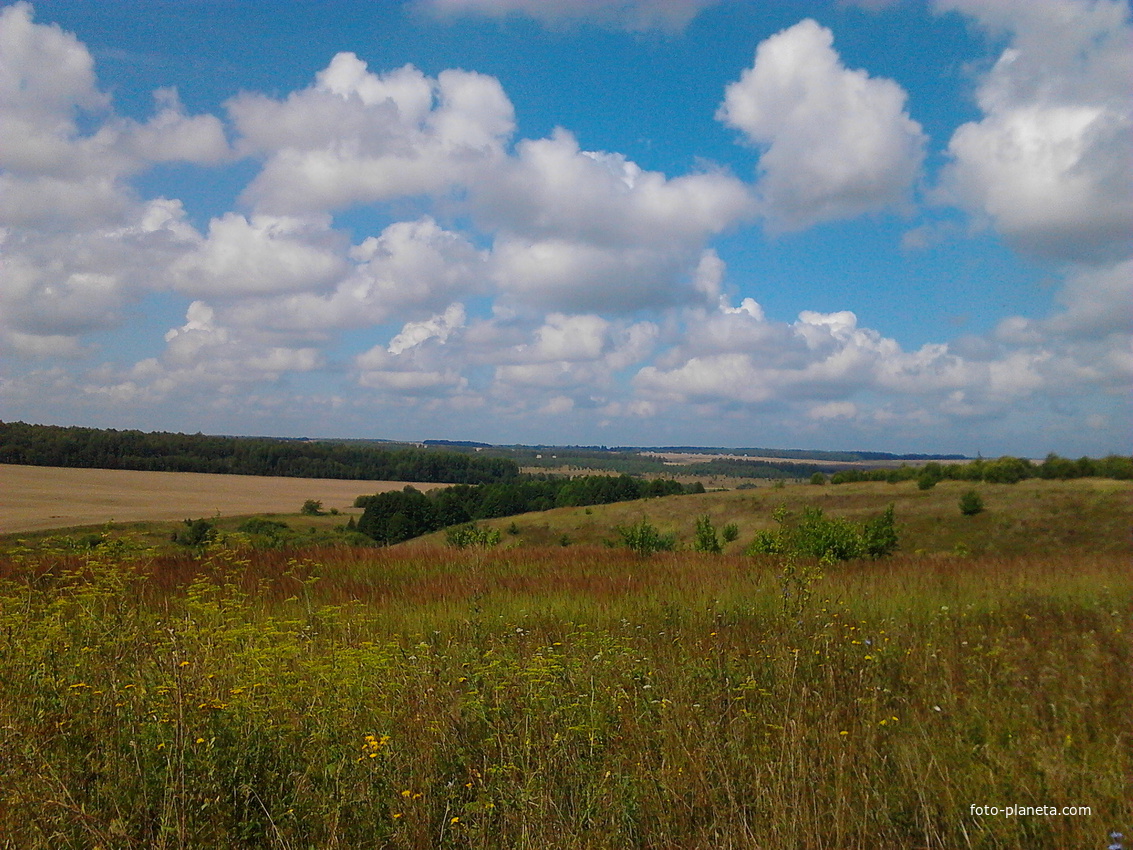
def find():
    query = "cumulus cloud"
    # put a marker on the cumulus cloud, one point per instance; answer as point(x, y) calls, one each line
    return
point(584, 230)
point(439, 327)
point(1050, 164)
point(632, 15)
point(836, 142)
point(78, 246)
point(47, 82)
point(829, 367)
point(357, 137)
point(55, 283)
point(553, 188)
point(411, 269)
point(263, 255)
point(413, 365)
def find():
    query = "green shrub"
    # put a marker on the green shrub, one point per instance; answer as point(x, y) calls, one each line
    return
point(644, 539)
point(828, 539)
point(731, 532)
point(197, 532)
point(971, 503)
point(471, 535)
point(312, 507)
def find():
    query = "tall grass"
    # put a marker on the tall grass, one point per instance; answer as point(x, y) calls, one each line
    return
point(551, 698)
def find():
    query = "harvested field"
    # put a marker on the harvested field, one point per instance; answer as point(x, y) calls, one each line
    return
point(33, 498)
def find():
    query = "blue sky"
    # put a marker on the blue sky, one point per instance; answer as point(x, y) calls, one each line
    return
point(902, 226)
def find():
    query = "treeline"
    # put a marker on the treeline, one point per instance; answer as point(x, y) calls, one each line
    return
point(734, 468)
point(401, 515)
point(50, 445)
point(799, 454)
point(1004, 470)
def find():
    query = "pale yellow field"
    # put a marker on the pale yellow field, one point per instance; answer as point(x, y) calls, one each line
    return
point(33, 498)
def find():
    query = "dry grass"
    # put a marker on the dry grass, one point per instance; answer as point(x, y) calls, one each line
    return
point(574, 698)
point(41, 497)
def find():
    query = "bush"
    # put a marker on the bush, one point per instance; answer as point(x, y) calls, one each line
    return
point(880, 534)
point(829, 539)
point(312, 507)
point(818, 478)
point(472, 536)
point(971, 503)
point(197, 532)
point(731, 532)
point(644, 539)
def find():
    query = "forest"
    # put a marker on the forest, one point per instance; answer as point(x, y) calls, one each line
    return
point(1003, 470)
point(397, 516)
point(50, 445)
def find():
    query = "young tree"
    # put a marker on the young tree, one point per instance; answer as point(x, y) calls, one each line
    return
point(706, 539)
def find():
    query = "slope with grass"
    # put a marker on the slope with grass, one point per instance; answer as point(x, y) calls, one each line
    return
point(546, 697)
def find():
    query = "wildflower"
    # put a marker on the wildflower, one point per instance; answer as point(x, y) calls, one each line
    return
point(454, 821)
point(1116, 837)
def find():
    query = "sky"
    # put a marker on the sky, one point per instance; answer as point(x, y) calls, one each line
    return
point(857, 224)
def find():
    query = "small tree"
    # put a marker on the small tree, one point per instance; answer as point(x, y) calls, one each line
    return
point(818, 478)
point(971, 503)
point(706, 539)
point(312, 507)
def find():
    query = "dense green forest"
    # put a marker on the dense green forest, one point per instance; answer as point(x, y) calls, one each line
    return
point(1004, 470)
point(49, 445)
point(400, 515)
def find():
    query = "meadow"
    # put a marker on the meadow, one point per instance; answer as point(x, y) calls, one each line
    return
point(554, 692)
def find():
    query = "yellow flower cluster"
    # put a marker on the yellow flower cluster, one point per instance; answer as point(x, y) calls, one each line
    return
point(372, 745)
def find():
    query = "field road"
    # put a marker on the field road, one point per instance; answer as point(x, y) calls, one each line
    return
point(33, 498)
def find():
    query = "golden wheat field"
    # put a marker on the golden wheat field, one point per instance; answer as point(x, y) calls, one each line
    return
point(39, 497)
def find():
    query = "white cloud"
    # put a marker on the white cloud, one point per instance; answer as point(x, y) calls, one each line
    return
point(572, 275)
point(836, 142)
point(411, 269)
point(78, 246)
point(357, 137)
point(1098, 302)
point(58, 283)
point(553, 189)
point(172, 136)
point(47, 82)
point(584, 230)
point(439, 327)
point(632, 15)
point(1050, 164)
point(263, 255)
point(833, 410)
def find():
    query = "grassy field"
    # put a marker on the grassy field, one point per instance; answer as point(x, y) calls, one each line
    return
point(547, 696)
point(46, 497)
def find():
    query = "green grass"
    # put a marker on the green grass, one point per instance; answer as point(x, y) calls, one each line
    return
point(581, 697)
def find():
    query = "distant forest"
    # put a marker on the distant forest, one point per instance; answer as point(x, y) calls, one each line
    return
point(401, 515)
point(50, 445)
